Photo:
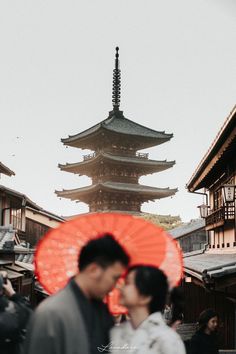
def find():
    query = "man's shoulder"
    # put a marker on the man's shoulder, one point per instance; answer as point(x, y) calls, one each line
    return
point(55, 302)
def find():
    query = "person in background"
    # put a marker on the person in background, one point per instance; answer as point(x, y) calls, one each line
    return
point(14, 315)
point(76, 320)
point(144, 294)
point(205, 341)
point(177, 306)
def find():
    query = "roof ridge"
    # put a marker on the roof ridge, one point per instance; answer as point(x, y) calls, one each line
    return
point(213, 144)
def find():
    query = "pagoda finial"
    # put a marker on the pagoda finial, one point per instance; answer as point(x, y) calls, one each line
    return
point(116, 83)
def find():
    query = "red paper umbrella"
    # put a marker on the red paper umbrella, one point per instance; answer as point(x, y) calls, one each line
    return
point(56, 258)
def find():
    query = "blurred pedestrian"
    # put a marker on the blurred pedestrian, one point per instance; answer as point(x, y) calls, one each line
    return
point(205, 340)
point(14, 315)
point(76, 320)
point(144, 294)
point(177, 306)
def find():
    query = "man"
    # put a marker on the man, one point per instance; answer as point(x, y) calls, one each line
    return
point(75, 320)
point(14, 315)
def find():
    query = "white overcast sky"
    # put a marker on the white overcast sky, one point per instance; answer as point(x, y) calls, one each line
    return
point(56, 60)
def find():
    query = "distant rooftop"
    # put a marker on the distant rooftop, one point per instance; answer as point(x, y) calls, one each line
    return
point(19, 195)
point(29, 203)
point(187, 228)
point(7, 235)
point(210, 265)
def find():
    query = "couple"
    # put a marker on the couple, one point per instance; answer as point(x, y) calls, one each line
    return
point(76, 320)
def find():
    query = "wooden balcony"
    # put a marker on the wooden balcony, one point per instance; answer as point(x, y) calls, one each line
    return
point(219, 217)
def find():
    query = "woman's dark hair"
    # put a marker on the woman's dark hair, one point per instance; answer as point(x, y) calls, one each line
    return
point(177, 302)
point(205, 317)
point(104, 250)
point(151, 281)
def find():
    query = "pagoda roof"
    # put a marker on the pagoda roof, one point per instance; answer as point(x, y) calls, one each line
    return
point(4, 169)
point(116, 123)
point(145, 163)
point(147, 192)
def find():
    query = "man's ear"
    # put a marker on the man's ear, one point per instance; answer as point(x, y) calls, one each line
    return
point(94, 270)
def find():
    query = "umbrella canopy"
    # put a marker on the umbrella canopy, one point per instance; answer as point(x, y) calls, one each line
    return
point(56, 257)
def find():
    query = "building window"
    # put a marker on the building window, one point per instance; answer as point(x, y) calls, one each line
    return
point(16, 218)
point(218, 199)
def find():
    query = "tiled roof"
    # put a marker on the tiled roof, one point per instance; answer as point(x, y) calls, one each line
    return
point(211, 265)
point(155, 193)
point(19, 195)
point(29, 203)
point(47, 213)
point(25, 257)
point(4, 169)
point(26, 266)
point(187, 228)
point(7, 235)
point(137, 161)
point(116, 122)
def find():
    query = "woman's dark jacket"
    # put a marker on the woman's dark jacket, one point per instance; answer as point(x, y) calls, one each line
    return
point(202, 343)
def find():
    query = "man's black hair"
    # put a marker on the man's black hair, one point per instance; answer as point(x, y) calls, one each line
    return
point(104, 251)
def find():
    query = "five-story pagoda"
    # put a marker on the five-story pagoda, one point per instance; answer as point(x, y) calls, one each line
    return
point(115, 166)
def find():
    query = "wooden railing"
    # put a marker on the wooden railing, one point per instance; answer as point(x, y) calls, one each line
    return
point(140, 155)
point(220, 215)
point(89, 156)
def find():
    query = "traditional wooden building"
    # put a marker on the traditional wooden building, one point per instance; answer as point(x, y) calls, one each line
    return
point(28, 219)
point(38, 222)
point(115, 165)
point(211, 274)
point(191, 236)
point(22, 224)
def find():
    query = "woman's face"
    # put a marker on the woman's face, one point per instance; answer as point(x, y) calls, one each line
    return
point(130, 296)
point(212, 324)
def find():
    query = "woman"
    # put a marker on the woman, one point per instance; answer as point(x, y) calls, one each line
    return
point(144, 295)
point(205, 339)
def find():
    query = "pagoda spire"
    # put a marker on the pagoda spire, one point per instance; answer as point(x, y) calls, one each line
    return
point(116, 83)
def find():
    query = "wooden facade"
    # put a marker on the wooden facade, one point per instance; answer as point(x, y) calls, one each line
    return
point(22, 225)
point(34, 232)
point(191, 236)
point(213, 273)
point(198, 298)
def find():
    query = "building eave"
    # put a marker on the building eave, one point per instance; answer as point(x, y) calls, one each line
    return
point(121, 126)
point(150, 192)
point(154, 165)
point(224, 138)
point(5, 170)
point(47, 213)
point(11, 192)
